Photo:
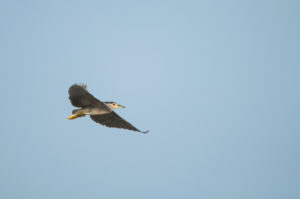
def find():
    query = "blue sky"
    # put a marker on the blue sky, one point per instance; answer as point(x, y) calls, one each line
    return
point(216, 82)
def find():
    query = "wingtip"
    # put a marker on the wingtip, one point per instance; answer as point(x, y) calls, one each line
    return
point(145, 132)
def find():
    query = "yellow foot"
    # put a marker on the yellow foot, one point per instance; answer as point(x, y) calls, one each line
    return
point(71, 117)
point(75, 116)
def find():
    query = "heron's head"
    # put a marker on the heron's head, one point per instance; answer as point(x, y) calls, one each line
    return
point(113, 105)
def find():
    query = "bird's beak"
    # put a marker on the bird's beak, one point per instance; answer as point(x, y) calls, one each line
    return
point(120, 106)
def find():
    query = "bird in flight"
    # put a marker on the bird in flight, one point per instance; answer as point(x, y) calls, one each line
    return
point(100, 112)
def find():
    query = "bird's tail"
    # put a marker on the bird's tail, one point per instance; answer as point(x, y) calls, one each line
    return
point(75, 111)
point(75, 114)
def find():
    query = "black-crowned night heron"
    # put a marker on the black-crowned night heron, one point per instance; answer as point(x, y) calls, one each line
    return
point(100, 112)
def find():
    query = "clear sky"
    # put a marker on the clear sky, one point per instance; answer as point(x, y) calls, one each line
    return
point(216, 82)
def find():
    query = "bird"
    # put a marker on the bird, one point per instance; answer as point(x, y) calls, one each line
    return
point(100, 112)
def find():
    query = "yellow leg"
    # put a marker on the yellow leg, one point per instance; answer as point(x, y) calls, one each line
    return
point(75, 116)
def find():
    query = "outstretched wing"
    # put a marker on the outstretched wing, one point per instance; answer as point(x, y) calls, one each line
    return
point(115, 121)
point(80, 97)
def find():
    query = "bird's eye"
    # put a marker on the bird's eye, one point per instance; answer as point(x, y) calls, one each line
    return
point(114, 104)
